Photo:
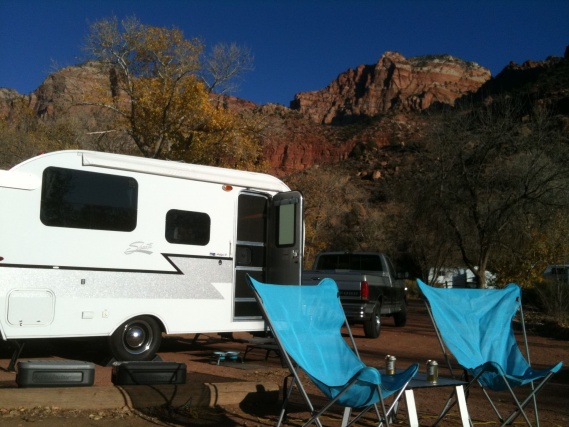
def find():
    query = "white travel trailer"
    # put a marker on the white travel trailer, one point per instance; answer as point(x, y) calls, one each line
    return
point(457, 277)
point(97, 244)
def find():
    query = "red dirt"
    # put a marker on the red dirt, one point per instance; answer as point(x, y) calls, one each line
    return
point(415, 342)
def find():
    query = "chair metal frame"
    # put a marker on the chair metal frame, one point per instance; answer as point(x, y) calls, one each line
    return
point(472, 376)
point(296, 382)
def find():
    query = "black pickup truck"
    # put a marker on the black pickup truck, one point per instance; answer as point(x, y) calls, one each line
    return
point(369, 287)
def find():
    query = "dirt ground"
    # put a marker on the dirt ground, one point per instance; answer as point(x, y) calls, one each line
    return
point(172, 406)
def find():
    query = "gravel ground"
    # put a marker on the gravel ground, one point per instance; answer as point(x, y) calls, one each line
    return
point(174, 406)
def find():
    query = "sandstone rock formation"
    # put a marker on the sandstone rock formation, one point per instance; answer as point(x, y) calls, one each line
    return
point(387, 95)
point(293, 143)
point(69, 86)
point(394, 83)
point(7, 97)
point(544, 80)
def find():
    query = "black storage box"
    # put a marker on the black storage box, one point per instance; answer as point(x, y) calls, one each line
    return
point(55, 373)
point(139, 373)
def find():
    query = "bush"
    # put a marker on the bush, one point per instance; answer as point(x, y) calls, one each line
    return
point(412, 289)
point(552, 298)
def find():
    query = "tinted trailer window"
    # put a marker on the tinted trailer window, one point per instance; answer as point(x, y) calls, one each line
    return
point(79, 199)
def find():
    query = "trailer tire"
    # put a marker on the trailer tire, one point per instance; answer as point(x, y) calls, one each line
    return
point(372, 326)
point(136, 339)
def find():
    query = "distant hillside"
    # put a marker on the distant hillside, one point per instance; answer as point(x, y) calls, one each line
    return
point(363, 110)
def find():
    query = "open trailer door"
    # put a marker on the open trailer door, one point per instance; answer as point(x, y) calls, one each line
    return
point(285, 248)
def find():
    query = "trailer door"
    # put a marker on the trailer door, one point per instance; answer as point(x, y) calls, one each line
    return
point(269, 247)
point(251, 251)
point(285, 245)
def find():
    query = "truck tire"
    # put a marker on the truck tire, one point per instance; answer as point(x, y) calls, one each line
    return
point(136, 339)
point(400, 317)
point(372, 326)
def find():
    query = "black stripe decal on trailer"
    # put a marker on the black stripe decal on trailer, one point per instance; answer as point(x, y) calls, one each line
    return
point(120, 270)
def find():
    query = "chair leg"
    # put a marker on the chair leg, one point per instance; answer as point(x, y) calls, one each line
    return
point(287, 391)
point(457, 397)
point(520, 406)
point(362, 413)
point(286, 394)
point(496, 411)
point(386, 412)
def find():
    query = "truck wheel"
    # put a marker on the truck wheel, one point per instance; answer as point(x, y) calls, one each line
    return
point(136, 339)
point(372, 326)
point(400, 317)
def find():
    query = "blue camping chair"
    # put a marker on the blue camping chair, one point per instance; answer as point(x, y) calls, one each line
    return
point(306, 323)
point(475, 325)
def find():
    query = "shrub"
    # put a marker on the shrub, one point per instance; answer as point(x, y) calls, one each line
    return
point(552, 298)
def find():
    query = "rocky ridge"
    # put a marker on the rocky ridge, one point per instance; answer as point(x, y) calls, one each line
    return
point(369, 107)
point(394, 83)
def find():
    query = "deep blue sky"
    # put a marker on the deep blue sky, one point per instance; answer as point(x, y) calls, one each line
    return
point(298, 45)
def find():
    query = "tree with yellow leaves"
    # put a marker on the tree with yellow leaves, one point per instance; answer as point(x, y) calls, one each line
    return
point(23, 136)
point(160, 99)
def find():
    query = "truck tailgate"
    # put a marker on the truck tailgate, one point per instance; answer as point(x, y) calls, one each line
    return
point(349, 283)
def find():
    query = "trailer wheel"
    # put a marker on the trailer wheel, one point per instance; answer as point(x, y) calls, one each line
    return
point(136, 339)
point(372, 326)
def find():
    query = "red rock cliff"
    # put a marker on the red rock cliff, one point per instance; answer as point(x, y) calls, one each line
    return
point(393, 84)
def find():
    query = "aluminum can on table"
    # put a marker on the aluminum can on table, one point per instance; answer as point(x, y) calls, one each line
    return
point(432, 371)
point(390, 364)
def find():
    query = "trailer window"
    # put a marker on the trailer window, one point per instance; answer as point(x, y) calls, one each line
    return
point(252, 214)
point(286, 225)
point(80, 199)
point(187, 228)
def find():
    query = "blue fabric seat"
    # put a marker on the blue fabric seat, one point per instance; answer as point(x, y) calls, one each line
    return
point(476, 326)
point(306, 322)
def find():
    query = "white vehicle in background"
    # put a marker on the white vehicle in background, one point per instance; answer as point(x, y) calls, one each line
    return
point(95, 244)
point(557, 273)
point(458, 277)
